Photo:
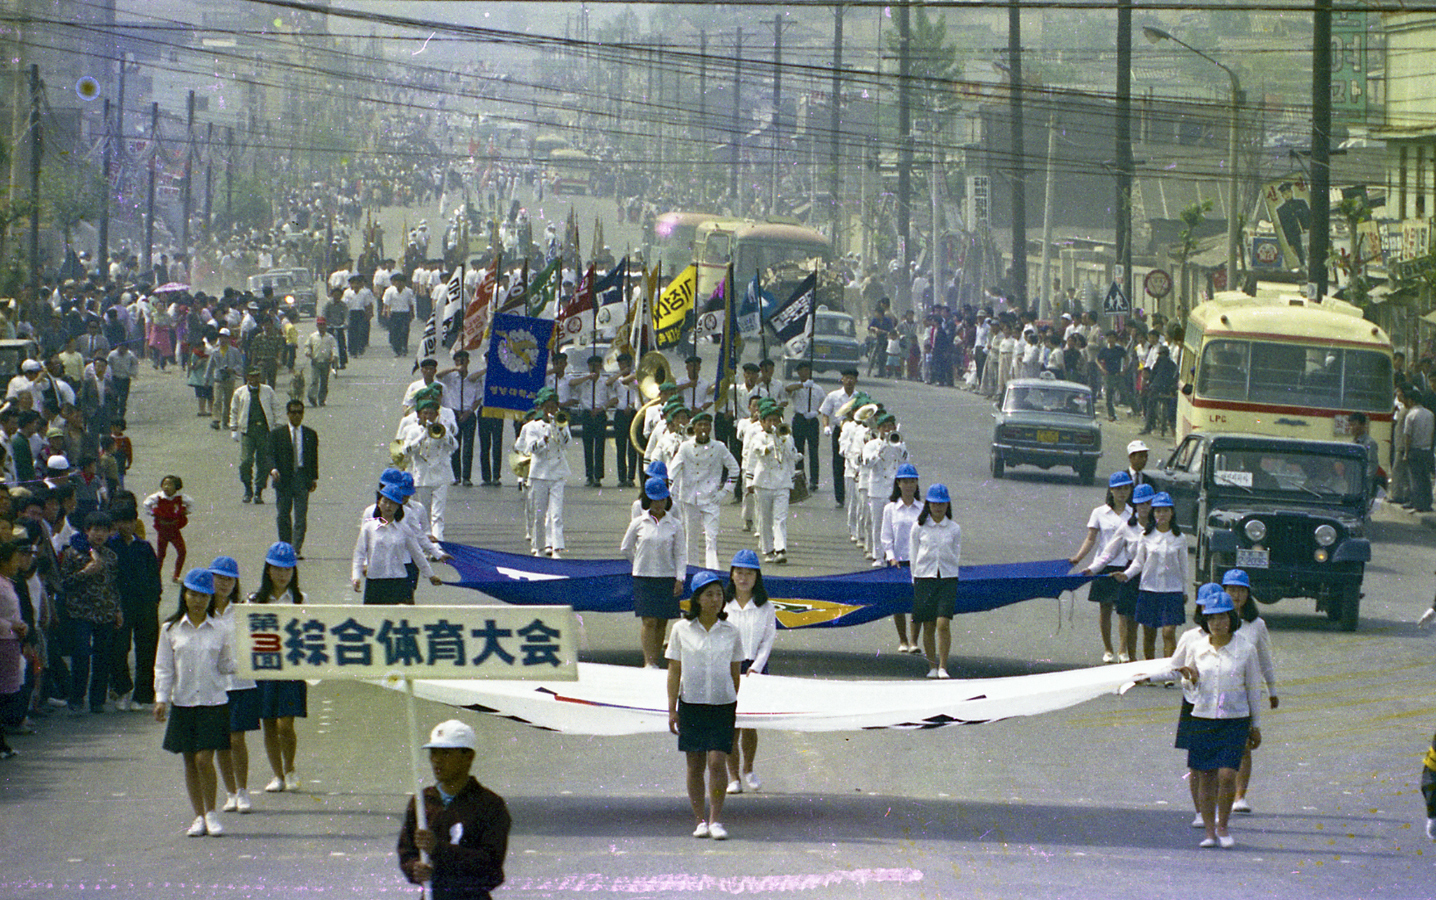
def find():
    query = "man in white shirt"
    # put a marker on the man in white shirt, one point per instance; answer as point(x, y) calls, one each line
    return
point(360, 302)
point(463, 394)
point(695, 390)
point(697, 472)
point(29, 379)
point(124, 367)
point(321, 349)
point(545, 442)
point(594, 397)
point(828, 413)
point(806, 399)
point(771, 457)
point(625, 404)
point(398, 311)
point(428, 457)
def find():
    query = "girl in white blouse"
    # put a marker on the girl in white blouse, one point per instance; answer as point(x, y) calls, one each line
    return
point(384, 545)
point(935, 549)
point(193, 660)
point(1118, 552)
point(750, 612)
point(705, 654)
point(1237, 584)
point(1161, 561)
point(1102, 525)
point(899, 516)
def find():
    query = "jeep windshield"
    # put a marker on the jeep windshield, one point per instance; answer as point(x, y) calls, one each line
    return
point(1048, 399)
point(1295, 475)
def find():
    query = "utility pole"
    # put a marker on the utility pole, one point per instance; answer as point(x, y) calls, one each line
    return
point(702, 130)
point(1123, 200)
point(1019, 171)
point(904, 210)
point(150, 194)
point(736, 135)
point(37, 147)
point(102, 251)
point(1044, 297)
point(229, 177)
point(835, 185)
point(188, 176)
point(777, 103)
point(1320, 150)
point(208, 178)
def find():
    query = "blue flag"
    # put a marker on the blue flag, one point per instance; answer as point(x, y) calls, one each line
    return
point(517, 360)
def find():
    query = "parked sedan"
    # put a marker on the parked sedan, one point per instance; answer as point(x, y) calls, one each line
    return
point(1044, 422)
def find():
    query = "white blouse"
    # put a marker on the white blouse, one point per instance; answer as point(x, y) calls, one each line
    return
point(757, 625)
point(898, 521)
point(1108, 524)
point(383, 548)
point(935, 549)
point(657, 547)
point(1229, 678)
point(1119, 549)
point(1161, 560)
point(193, 663)
point(706, 657)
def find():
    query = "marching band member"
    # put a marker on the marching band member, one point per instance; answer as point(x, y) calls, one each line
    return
point(773, 456)
point(746, 429)
point(625, 403)
point(695, 391)
point(848, 433)
point(665, 442)
point(857, 441)
point(428, 444)
point(594, 398)
point(698, 476)
point(655, 415)
point(545, 441)
point(807, 398)
point(882, 455)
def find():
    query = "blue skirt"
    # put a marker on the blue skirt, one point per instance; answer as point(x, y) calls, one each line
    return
point(703, 727)
point(1216, 743)
point(283, 699)
point(244, 709)
point(653, 598)
point(1160, 610)
point(190, 729)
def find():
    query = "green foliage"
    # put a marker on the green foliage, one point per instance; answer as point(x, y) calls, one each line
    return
point(251, 207)
point(933, 57)
point(71, 192)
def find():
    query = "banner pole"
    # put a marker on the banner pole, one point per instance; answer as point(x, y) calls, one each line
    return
point(416, 761)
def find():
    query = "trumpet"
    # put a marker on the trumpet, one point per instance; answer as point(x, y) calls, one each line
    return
point(690, 430)
point(437, 430)
point(784, 430)
point(894, 438)
point(561, 418)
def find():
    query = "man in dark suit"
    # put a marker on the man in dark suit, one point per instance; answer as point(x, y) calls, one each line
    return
point(294, 449)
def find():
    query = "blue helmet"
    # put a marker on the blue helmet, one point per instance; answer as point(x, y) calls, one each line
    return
point(656, 488)
point(1206, 591)
point(1162, 500)
point(281, 554)
point(1142, 493)
point(656, 469)
point(1119, 479)
point(906, 470)
point(938, 494)
point(393, 492)
point(227, 566)
point(1236, 577)
point(1219, 602)
point(703, 579)
point(745, 559)
point(200, 581)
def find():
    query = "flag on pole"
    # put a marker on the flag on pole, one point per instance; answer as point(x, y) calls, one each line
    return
point(429, 345)
point(716, 313)
point(791, 321)
point(608, 293)
point(543, 288)
point(673, 307)
point(732, 342)
point(576, 316)
point(749, 312)
point(572, 259)
point(453, 323)
point(476, 314)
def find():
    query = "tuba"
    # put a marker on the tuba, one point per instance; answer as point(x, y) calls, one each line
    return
point(652, 371)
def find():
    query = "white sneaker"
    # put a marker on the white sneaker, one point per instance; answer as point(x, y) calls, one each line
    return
point(932, 673)
point(735, 786)
point(942, 674)
point(904, 647)
point(291, 781)
point(701, 831)
point(1109, 657)
point(196, 828)
point(914, 649)
point(231, 803)
point(718, 832)
point(1241, 805)
point(1122, 657)
point(241, 801)
point(211, 822)
point(276, 784)
point(754, 782)
point(1198, 823)
point(555, 554)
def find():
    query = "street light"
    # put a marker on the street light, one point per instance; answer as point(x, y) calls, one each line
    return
point(1157, 35)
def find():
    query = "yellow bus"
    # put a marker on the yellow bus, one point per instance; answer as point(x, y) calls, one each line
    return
point(1277, 364)
point(673, 235)
point(752, 247)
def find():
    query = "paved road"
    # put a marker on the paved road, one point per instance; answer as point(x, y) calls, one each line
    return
point(1082, 803)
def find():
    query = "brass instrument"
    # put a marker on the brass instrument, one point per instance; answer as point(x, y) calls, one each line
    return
point(652, 371)
point(561, 418)
point(397, 457)
point(437, 430)
point(799, 491)
point(519, 464)
point(784, 430)
point(894, 438)
point(690, 431)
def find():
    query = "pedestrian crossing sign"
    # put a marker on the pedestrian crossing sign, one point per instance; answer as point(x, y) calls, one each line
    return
point(1116, 303)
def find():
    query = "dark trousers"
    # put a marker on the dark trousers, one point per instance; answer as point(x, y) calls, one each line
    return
point(623, 447)
point(491, 448)
point(291, 515)
point(341, 338)
point(462, 459)
point(1113, 386)
point(142, 628)
point(805, 436)
point(254, 462)
point(121, 387)
point(57, 671)
point(1418, 463)
point(89, 661)
point(839, 482)
point(399, 332)
point(595, 436)
point(358, 332)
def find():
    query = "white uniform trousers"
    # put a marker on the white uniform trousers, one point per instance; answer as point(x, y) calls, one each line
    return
point(875, 525)
point(527, 487)
point(435, 501)
point(707, 514)
point(546, 524)
point(851, 498)
point(864, 514)
point(748, 515)
point(772, 514)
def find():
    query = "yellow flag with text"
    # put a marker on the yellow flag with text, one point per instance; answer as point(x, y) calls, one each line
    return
point(673, 306)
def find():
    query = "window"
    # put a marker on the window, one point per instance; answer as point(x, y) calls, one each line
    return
point(1186, 455)
point(1295, 375)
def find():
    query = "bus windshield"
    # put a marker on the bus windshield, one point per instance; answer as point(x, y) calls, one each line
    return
point(1295, 375)
point(755, 255)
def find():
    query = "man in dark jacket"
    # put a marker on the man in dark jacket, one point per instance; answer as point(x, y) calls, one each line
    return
point(137, 578)
point(294, 453)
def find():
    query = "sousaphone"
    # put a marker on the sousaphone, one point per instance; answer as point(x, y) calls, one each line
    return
point(652, 371)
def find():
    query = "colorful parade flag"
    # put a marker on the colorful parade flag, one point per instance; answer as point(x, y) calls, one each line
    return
point(453, 322)
point(673, 307)
point(517, 360)
point(792, 321)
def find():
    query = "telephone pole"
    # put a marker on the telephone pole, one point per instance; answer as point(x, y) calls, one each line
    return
point(904, 210)
point(1320, 150)
point(188, 176)
point(834, 103)
point(102, 251)
point(1123, 200)
point(777, 102)
point(150, 193)
point(1019, 171)
point(736, 135)
point(37, 147)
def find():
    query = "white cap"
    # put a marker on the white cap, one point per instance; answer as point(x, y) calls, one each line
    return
point(58, 464)
point(31, 365)
point(224, 332)
point(1137, 447)
point(452, 734)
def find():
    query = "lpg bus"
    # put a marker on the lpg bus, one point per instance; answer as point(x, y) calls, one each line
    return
point(673, 233)
point(752, 247)
point(1277, 364)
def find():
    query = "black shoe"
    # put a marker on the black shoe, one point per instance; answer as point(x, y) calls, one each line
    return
point(258, 498)
point(468, 483)
point(248, 498)
point(214, 425)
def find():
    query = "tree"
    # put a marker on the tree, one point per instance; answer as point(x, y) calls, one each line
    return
point(71, 192)
point(251, 207)
point(933, 59)
point(1192, 217)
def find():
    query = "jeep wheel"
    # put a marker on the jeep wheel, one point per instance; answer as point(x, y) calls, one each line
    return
point(1350, 607)
point(1087, 471)
point(997, 465)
